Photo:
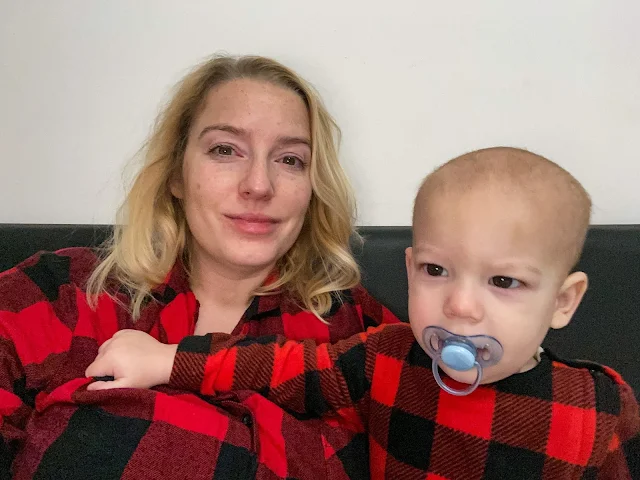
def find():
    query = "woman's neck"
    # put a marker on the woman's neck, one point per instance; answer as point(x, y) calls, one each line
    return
point(225, 286)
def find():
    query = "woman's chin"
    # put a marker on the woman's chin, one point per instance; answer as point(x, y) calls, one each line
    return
point(252, 256)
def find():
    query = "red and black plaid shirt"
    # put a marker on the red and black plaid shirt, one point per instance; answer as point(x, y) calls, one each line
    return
point(51, 427)
point(560, 420)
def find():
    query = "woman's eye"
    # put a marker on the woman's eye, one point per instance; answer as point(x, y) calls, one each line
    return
point(505, 282)
point(292, 161)
point(224, 150)
point(435, 270)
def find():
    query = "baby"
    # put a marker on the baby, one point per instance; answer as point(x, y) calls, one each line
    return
point(465, 391)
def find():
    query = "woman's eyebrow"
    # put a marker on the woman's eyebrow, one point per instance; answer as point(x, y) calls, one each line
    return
point(287, 140)
point(224, 127)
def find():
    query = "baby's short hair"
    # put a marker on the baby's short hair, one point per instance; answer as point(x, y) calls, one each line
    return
point(544, 183)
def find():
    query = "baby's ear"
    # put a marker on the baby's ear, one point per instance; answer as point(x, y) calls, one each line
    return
point(569, 297)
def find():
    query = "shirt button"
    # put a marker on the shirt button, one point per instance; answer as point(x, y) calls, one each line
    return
point(247, 420)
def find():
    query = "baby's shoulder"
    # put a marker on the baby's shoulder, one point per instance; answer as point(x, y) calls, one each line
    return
point(596, 386)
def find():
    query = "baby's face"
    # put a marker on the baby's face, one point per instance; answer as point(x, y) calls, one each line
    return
point(480, 265)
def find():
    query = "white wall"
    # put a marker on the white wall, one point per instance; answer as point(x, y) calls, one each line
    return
point(412, 83)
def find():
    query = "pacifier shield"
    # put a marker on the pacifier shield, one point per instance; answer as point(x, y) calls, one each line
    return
point(461, 353)
point(484, 349)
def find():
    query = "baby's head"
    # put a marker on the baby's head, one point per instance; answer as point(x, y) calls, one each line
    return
point(496, 234)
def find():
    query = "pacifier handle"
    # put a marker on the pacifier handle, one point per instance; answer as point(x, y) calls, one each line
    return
point(447, 388)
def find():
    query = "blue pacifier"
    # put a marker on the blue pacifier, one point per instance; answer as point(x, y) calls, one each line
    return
point(460, 353)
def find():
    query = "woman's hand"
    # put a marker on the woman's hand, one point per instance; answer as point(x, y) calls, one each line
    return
point(134, 359)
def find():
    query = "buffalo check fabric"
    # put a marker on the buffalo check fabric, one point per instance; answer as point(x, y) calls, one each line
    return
point(560, 420)
point(53, 428)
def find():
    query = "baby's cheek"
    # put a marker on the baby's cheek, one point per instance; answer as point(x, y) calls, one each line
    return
point(496, 373)
point(507, 366)
point(512, 363)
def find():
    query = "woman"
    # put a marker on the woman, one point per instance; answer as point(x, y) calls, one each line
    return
point(239, 221)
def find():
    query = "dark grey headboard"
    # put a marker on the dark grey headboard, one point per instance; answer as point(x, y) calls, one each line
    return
point(606, 327)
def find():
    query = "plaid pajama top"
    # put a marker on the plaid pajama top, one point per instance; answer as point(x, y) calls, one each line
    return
point(560, 420)
point(53, 428)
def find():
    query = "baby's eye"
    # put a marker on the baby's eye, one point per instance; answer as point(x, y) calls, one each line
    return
point(435, 270)
point(505, 282)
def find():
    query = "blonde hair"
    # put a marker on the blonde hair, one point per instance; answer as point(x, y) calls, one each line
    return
point(552, 189)
point(151, 232)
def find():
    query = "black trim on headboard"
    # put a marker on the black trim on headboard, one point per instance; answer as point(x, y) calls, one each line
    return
point(606, 327)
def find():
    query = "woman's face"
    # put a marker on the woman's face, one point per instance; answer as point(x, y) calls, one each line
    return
point(245, 182)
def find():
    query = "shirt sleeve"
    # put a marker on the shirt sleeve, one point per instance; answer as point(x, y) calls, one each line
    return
point(301, 376)
point(366, 312)
point(623, 456)
point(15, 407)
point(371, 311)
point(32, 343)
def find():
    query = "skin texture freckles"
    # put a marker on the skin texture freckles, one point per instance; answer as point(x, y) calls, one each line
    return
point(245, 180)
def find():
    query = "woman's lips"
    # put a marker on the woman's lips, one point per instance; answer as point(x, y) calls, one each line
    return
point(253, 224)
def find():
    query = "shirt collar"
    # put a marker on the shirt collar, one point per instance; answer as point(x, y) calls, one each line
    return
point(176, 282)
